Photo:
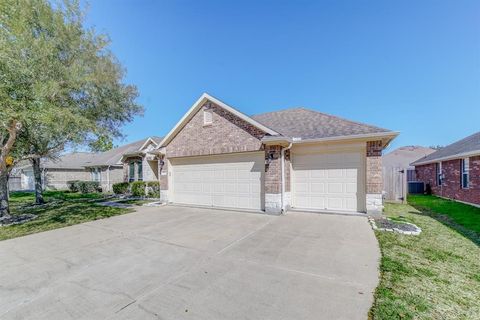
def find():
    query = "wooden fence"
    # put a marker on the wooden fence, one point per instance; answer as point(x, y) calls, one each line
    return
point(395, 184)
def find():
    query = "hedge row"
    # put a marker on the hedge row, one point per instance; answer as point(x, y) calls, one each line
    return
point(149, 189)
point(84, 186)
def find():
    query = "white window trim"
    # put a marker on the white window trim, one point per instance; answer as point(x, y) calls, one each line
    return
point(439, 174)
point(465, 170)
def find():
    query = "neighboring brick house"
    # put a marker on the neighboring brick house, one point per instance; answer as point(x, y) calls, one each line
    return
point(453, 171)
point(296, 158)
point(138, 163)
point(105, 167)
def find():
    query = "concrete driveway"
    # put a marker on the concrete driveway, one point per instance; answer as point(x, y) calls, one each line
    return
point(185, 263)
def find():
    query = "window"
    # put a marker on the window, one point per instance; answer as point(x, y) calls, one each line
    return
point(95, 174)
point(439, 173)
point(131, 172)
point(139, 171)
point(465, 175)
point(207, 117)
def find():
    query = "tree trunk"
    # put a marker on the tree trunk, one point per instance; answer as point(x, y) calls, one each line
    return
point(37, 174)
point(4, 207)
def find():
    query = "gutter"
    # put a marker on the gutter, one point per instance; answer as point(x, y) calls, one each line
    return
point(283, 176)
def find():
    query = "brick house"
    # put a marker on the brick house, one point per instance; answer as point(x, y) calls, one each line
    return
point(295, 158)
point(454, 171)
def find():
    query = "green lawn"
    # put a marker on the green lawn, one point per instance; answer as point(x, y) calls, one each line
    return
point(61, 209)
point(435, 275)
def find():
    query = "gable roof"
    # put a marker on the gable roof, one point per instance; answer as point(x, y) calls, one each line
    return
point(305, 124)
point(403, 156)
point(468, 146)
point(199, 103)
point(294, 125)
point(81, 160)
point(114, 156)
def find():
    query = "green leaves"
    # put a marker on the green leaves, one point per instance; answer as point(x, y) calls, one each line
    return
point(58, 79)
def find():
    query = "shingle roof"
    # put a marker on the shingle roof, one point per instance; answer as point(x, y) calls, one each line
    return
point(73, 160)
point(466, 145)
point(79, 160)
point(113, 157)
point(308, 124)
point(403, 156)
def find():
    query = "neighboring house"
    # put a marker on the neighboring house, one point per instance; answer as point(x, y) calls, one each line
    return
point(138, 163)
point(402, 158)
point(296, 158)
point(453, 171)
point(104, 167)
point(397, 171)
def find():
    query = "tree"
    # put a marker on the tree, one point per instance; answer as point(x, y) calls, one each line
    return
point(102, 143)
point(59, 85)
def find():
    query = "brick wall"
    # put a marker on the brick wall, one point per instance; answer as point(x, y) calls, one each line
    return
point(226, 134)
point(374, 167)
point(452, 187)
point(273, 170)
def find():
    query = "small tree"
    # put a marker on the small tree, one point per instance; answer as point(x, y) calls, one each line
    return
point(59, 85)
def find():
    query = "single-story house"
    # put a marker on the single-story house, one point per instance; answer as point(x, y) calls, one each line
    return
point(295, 158)
point(453, 171)
point(397, 171)
point(104, 167)
point(138, 163)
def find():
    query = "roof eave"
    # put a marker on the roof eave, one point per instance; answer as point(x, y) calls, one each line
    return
point(446, 158)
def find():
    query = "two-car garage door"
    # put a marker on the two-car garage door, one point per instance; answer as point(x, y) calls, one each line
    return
point(328, 181)
point(231, 181)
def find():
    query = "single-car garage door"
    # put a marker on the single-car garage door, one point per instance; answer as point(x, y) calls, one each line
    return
point(231, 181)
point(329, 181)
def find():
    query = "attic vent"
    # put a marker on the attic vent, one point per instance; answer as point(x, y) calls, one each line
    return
point(207, 117)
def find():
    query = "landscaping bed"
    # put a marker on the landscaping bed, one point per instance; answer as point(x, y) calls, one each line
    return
point(435, 275)
point(61, 208)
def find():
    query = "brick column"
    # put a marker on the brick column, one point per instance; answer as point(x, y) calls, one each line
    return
point(163, 178)
point(374, 177)
point(273, 180)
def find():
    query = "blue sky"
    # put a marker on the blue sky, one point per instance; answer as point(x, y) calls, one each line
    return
point(409, 66)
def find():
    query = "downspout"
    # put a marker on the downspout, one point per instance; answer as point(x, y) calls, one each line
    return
point(283, 175)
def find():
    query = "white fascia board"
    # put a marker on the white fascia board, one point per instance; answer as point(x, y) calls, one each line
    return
point(198, 104)
point(149, 139)
point(452, 157)
point(390, 135)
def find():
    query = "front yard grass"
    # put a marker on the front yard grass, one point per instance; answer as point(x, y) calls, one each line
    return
point(435, 275)
point(61, 209)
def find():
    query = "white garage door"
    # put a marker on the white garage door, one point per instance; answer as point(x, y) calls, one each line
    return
point(231, 181)
point(328, 181)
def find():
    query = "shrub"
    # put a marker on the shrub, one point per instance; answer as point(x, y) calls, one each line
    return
point(73, 185)
point(153, 189)
point(121, 187)
point(138, 188)
point(88, 186)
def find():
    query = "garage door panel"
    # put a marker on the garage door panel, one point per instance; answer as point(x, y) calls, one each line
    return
point(226, 181)
point(328, 181)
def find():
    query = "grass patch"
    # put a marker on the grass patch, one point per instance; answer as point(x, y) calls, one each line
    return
point(435, 275)
point(459, 213)
point(61, 209)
